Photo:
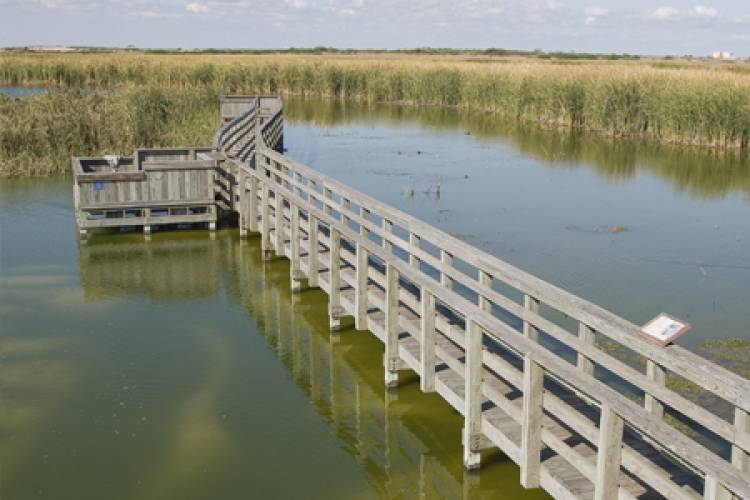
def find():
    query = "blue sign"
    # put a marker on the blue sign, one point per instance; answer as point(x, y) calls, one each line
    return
point(99, 185)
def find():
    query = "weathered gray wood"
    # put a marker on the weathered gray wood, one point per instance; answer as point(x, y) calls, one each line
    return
point(391, 358)
point(658, 375)
point(740, 457)
point(530, 304)
point(713, 490)
point(586, 335)
point(313, 263)
point(265, 210)
point(294, 268)
point(472, 394)
point(531, 427)
point(609, 455)
point(334, 278)
point(427, 341)
point(360, 289)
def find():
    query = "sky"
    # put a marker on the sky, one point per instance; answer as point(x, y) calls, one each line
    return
point(676, 27)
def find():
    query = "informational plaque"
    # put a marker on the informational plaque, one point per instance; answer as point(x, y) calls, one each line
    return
point(664, 329)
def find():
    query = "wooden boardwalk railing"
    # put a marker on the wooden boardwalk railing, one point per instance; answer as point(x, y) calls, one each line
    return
point(537, 372)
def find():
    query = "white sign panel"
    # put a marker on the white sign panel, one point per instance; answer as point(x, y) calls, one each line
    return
point(664, 329)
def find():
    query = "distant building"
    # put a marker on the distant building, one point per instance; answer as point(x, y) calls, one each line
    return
point(724, 56)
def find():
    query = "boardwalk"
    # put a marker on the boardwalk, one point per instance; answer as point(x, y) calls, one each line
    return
point(570, 392)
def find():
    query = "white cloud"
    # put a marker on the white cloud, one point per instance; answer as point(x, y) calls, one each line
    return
point(665, 13)
point(593, 14)
point(197, 8)
point(296, 4)
point(704, 11)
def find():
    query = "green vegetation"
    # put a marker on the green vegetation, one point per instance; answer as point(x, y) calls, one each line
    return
point(693, 103)
point(38, 135)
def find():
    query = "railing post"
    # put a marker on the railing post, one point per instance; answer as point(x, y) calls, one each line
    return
point(364, 215)
point(313, 264)
point(427, 346)
point(279, 213)
point(659, 375)
point(241, 182)
point(585, 335)
point(486, 280)
point(530, 304)
point(609, 454)
point(413, 243)
point(360, 297)
point(295, 268)
point(265, 220)
point(252, 209)
point(387, 230)
point(740, 458)
point(447, 260)
point(531, 427)
point(472, 394)
point(713, 490)
point(335, 311)
point(391, 358)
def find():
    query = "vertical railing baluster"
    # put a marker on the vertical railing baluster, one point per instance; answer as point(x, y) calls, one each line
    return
point(486, 280)
point(414, 242)
point(313, 264)
point(242, 212)
point(656, 373)
point(609, 454)
point(586, 335)
point(265, 241)
point(713, 490)
point(294, 246)
point(360, 289)
point(252, 212)
point(335, 311)
point(740, 458)
point(447, 260)
point(531, 426)
point(427, 345)
point(472, 432)
point(387, 232)
point(532, 305)
point(391, 359)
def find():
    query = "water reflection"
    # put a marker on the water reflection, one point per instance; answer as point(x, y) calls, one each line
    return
point(698, 172)
point(407, 444)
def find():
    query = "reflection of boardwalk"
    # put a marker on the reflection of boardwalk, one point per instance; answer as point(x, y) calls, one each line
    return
point(345, 391)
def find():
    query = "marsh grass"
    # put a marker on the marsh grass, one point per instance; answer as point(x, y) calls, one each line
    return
point(687, 103)
point(39, 134)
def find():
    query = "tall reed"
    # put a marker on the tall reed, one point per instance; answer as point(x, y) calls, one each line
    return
point(691, 103)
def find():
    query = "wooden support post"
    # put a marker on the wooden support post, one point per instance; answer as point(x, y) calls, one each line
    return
point(345, 208)
point(530, 304)
point(472, 394)
point(447, 260)
point(659, 375)
point(387, 230)
point(243, 208)
point(486, 280)
point(609, 455)
point(364, 214)
point(531, 426)
point(360, 297)
point(252, 208)
point(279, 226)
point(391, 358)
point(413, 243)
point(335, 311)
point(740, 458)
point(313, 264)
point(427, 345)
point(586, 335)
point(295, 259)
point(265, 221)
point(212, 226)
point(713, 490)
point(328, 194)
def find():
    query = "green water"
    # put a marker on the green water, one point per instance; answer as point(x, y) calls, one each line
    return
point(183, 367)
